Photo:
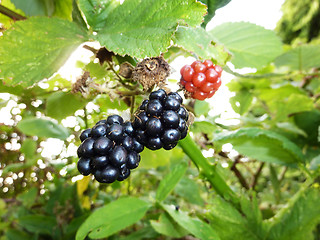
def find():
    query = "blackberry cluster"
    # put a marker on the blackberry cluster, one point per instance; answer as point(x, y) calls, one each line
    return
point(161, 121)
point(109, 150)
point(201, 80)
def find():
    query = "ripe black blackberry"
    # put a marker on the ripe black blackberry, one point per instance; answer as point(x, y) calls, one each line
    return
point(109, 150)
point(161, 120)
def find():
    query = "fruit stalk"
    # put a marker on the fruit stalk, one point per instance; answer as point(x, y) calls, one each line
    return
point(208, 170)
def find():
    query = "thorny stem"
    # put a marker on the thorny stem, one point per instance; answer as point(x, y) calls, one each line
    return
point(11, 14)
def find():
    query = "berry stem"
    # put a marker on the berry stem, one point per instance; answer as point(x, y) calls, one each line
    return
point(208, 170)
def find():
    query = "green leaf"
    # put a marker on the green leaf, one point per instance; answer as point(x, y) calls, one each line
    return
point(195, 226)
point(170, 181)
point(63, 9)
point(298, 218)
point(203, 127)
point(309, 122)
point(28, 148)
point(251, 45)
point(263, 145)
point(14, 234)
point(28, 198)
point(241, 101)
point(275, 183)
point(34, 49)
point(35, 7)
point(38, 223)
point(42, 128)
point(165, 225)
point(301, 58)
point(112, 218)
point(201, 108)
point(292, 128)
point(16, 167)
point(200, 42)
point(213, 5)
point(96, 11)
point(189, 190)
point(63, 104)
point(154, 24)
point(151, 158)
point(228, 222)
point(315, 163)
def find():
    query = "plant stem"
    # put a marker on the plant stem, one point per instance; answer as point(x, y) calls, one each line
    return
point(238, 174)
point(257, 175)
point(11, 14)
point(208, 170)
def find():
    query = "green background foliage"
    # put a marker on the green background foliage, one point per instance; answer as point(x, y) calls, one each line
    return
point(257, 179)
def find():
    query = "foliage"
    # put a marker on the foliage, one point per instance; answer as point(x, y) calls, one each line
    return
point(256, 179)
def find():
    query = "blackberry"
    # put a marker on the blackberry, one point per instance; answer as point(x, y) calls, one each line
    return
point(161, 121)
point(110, 149)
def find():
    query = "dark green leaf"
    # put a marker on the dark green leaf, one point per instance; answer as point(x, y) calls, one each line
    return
point(189, 190)
point(13, 234)
point(300, 58)
point(195, 226)
point(212, 5)
point(165, 225)
point(96, 11)
point(28, 198)
point(170, 181)
point(154, 24)
point(263, 145)
point(147, 232)
point(42, 128)
point(112, 218)
point(199, 42)
point(251, 45)
point(34, 49)
point(38, 223)
point(63, 104)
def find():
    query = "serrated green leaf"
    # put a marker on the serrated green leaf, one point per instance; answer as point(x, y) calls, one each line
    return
point(169, 182)
point(165, 225)
point(301, 58)
point(42, 128)
point(241, 101)
point(251, 45)
point(213, 5)
point(263, 145)
point(298, 218)
point(228, 222)
point(154, 24)
point(34, 49)
point(112, 218)
point(63, 104)
point(195, 226)
point(96, 11)
point(200, 42)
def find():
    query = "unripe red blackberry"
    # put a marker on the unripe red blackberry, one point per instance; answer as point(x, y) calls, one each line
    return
point(200, 80)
